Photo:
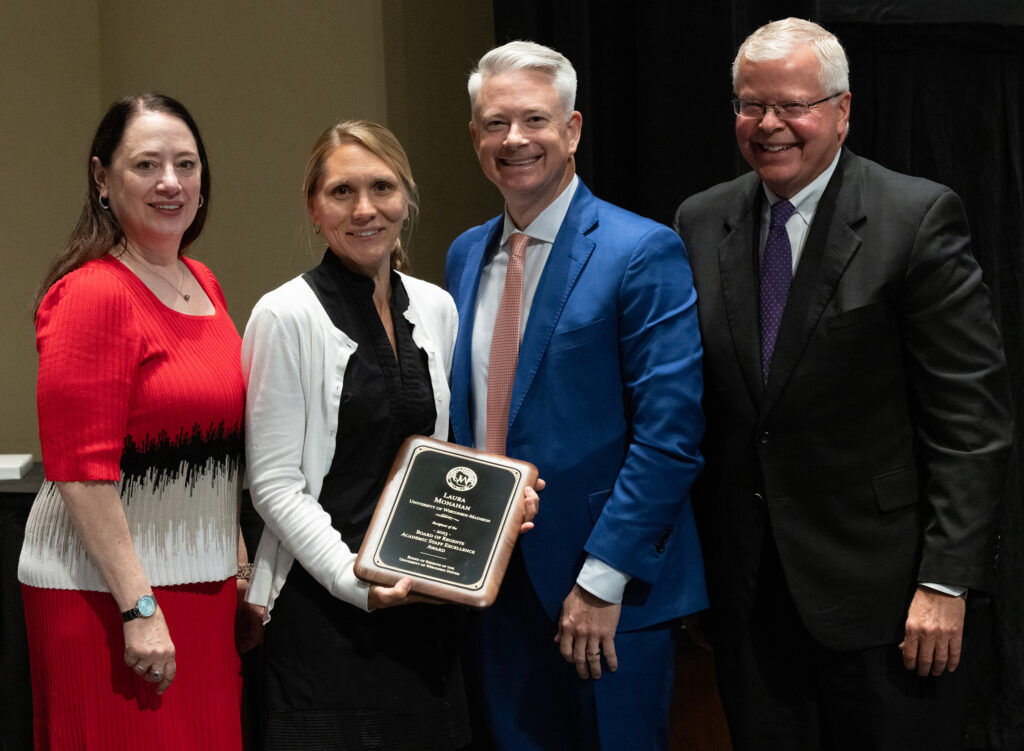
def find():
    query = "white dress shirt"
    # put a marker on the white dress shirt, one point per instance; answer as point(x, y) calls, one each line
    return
point(596, 576)
point(805, 206)
point(542, 232)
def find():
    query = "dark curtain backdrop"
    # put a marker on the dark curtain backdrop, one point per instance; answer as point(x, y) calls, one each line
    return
point(937, 92)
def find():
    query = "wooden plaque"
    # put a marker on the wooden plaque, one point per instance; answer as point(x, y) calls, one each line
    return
point(448, 517)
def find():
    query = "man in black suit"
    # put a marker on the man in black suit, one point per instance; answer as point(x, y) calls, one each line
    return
point(858, 422)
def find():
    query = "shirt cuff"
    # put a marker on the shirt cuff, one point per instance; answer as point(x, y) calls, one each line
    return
point(601, 580)
point(947, 589)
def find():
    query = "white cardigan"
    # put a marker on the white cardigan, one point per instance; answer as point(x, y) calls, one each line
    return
point(293, 362)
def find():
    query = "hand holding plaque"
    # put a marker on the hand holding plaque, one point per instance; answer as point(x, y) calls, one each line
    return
point(448, 517)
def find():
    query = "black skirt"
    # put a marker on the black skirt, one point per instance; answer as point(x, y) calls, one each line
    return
point(339, 678)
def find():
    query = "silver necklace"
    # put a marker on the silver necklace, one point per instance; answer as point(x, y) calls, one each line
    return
point(184, 295)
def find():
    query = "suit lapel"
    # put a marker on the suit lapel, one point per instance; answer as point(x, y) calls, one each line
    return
point(738, 267)
point(569, 254)
point(462, 373)
point(830, 244)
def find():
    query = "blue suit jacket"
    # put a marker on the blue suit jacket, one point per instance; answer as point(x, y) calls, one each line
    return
point(606, 403)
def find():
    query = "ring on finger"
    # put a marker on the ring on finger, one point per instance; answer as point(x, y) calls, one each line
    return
point(592, 655)
point(157, 674)
point(139, 669)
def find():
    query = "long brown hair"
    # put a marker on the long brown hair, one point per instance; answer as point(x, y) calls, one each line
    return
point(380, 142)
point(98, 230)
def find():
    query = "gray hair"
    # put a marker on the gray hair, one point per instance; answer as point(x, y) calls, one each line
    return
point(520, 55)
point(780, 38)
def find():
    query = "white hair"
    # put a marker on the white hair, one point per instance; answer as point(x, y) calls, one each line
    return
point(520, 55)
point(780, 38)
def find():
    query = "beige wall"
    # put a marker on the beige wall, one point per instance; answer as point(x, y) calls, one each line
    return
point(263, 78)
point(428, 62)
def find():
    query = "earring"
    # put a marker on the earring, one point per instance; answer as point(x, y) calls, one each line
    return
point(105, 203)
point(316, 228)
point(201, 201)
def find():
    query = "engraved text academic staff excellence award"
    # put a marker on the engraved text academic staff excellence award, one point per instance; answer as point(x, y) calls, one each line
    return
point(448, 517)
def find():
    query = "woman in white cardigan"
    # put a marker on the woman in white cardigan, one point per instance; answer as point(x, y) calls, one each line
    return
point(341, 365)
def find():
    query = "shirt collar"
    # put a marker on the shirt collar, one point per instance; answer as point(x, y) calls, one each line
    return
point(805, 203)
point(360, 284)
point(545, 227)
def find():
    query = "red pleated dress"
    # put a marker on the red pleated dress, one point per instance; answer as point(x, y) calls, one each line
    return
point(151, 399)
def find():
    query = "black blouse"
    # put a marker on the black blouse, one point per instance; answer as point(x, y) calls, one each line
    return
point(384, 399)
point(335, 676)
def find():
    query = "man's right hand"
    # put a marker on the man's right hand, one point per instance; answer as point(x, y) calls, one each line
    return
point(586, 632)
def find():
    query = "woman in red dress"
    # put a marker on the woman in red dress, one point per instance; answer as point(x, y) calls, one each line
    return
point(131, 551)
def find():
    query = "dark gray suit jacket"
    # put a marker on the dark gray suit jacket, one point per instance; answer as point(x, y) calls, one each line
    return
point(878, 446)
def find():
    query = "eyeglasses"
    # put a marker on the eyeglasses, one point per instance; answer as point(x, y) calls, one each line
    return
point(783, 110)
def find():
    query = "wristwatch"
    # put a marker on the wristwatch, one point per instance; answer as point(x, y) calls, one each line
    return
point(144, 608)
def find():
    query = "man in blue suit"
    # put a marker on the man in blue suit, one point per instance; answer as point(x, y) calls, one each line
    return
point(604, 397)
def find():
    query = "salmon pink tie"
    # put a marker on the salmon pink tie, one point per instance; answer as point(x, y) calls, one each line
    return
point(501, 370)
point(776, 275)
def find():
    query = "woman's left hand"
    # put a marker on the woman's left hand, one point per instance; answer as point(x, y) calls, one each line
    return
point(248, 621)
point(531, 504)
point(401, 593)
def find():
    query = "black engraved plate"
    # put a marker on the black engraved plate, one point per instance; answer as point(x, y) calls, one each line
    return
point(448, 517)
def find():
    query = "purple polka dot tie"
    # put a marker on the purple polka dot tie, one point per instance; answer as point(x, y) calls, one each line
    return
point(776, 274)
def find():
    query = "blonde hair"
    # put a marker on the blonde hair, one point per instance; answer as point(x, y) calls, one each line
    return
point(380, 142)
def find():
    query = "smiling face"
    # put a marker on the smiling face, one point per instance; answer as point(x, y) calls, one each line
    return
point(524, 140)
point(153, 180)
point(789, 155)
point(361, 206)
